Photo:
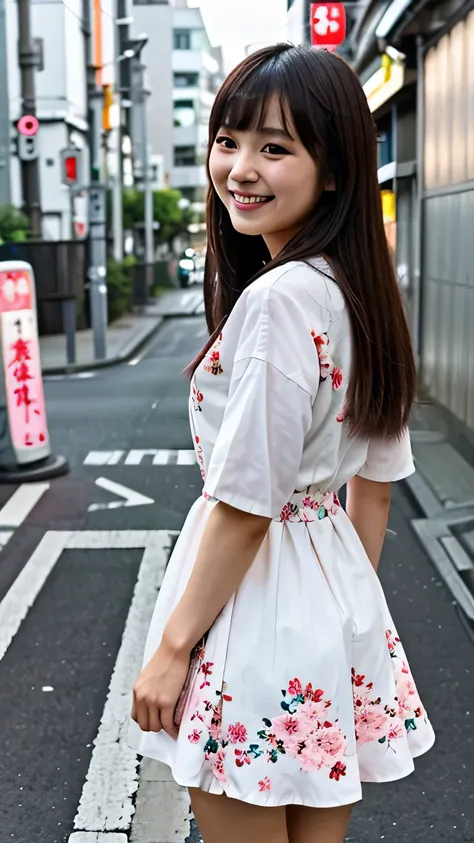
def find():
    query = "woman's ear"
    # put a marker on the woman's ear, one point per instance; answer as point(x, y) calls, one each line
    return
point(330, 184)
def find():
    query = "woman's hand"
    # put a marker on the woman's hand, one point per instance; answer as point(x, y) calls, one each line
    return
point(157, 690)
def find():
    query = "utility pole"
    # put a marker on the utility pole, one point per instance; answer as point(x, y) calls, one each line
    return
point(97, 271)
point(5, 195)
point(29, 168)
point(139, 115)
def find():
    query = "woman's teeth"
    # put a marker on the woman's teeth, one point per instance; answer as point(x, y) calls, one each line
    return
point(250, 200)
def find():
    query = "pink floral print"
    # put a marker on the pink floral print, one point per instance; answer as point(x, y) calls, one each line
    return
point(313, 507)
point(198, 398)
point(264, 784)
point(212, 362)
point(327, 368)
point(199, 456)
point(384, 722)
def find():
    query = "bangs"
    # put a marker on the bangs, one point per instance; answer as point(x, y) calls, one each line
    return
point(243, 100)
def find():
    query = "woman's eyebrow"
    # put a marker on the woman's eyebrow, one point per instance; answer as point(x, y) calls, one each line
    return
point(270, 130)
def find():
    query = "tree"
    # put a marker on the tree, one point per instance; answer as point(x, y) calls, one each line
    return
point(172, 219)
point(13, 225)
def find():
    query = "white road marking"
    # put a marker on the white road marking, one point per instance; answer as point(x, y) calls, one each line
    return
point(5, 537)
point(19, 506)
point(135, 457)
point(130, 496)
point(106, 803)
point(28, 584)
point(103, 457)
point(93, 837)
point(160, 456)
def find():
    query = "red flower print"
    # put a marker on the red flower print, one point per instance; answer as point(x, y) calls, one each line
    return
point(340, 417)
point(357, 678)
point(336, 377)
point(205, 669)
point(294, 687)
point(195, 736)
point(265, 784)
point(197, 716)
point(241, 757)
point(337, 771)
point(237, 733)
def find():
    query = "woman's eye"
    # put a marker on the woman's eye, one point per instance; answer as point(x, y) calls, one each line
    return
point(227, 143)
point(274, 149)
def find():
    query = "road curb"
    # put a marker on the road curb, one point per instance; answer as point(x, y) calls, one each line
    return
point(124, 357)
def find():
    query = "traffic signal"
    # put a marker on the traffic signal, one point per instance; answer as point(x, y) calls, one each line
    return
point(108, 103)
point(71, 162)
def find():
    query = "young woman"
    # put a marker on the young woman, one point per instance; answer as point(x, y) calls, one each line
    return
point(301, 690)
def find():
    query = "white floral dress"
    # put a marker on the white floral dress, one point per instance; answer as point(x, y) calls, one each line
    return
point(303, 690)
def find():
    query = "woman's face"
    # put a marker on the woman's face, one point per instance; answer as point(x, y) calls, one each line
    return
point(266, 179)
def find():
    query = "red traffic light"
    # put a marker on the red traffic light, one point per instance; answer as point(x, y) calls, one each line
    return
point(70, 168)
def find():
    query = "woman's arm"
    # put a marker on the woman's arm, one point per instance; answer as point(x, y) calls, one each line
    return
point(368, 506)
point(228, 547)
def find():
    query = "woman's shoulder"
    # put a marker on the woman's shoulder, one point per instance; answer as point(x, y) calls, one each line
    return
point(300, 282)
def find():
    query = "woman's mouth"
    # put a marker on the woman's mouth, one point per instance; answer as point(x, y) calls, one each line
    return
point(249, 202)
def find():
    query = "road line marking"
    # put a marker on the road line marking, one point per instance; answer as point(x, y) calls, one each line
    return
point(186, 458)
point(28, 584)
point(93, 837)
point(103, 457)
point(160, 456)
point(19, 506)
point(5, 537)
point(106, 802)
point(129, 496)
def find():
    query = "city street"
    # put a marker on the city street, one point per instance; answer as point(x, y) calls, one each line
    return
point(78, 581)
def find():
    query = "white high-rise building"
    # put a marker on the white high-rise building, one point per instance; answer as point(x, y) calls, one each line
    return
point(197, 75)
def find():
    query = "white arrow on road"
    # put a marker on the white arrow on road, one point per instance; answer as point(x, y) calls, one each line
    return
point(131, 498)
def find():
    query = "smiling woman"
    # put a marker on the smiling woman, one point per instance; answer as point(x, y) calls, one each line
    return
point(263, 169)
point(274, 674)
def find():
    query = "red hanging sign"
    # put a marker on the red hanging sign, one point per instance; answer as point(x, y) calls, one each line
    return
point(328, 25)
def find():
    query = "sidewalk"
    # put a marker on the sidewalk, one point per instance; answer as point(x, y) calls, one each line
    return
point(125, 337)
point(443, 487)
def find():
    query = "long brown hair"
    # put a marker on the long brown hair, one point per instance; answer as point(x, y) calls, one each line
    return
point(323, 99)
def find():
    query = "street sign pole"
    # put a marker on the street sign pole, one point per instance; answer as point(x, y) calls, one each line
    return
point(29, 165)
point(97, 233)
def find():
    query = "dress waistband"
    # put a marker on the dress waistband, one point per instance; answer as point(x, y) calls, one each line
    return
point(311, 505)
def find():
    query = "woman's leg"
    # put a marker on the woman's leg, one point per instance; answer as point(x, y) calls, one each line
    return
point(224, 820)
point(317, 825)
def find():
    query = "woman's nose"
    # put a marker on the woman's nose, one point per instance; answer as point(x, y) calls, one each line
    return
point(244, 168)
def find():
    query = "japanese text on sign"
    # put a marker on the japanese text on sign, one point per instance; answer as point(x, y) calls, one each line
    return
point(21, 362)
point(328, 25)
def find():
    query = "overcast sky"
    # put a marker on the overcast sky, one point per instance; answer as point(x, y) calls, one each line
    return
point(238, 23)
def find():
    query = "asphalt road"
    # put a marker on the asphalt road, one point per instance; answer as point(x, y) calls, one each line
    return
point(55, 675)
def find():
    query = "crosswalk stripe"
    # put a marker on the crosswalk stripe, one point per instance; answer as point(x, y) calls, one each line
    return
point(103, 457)
point(19, 506)
point(159, 456)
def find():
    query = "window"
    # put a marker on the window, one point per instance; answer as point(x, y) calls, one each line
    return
point(184, 156)
point(182, 39)
point(183, 113)
point(186, 80)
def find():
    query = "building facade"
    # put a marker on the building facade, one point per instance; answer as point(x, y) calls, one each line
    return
point(197, 75)
point(416, 62)
point(155, 19)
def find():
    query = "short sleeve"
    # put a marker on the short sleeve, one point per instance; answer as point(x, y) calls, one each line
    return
point(388, 461)
point(255, 461)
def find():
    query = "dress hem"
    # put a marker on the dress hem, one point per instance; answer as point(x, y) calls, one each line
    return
point(268, 802)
